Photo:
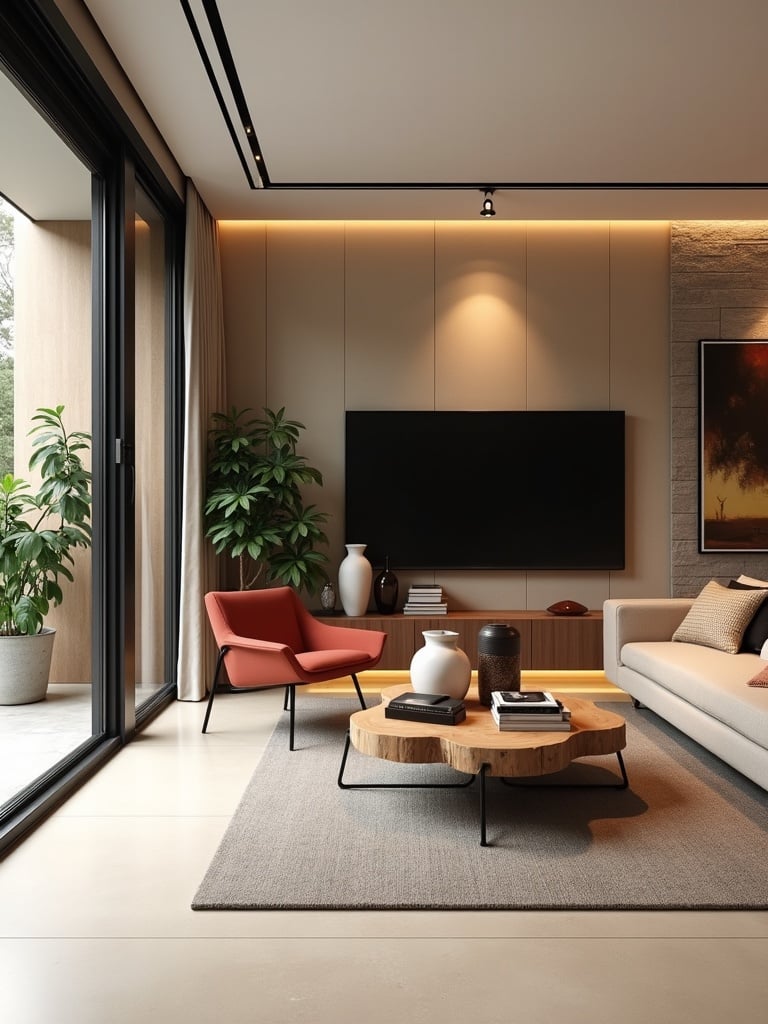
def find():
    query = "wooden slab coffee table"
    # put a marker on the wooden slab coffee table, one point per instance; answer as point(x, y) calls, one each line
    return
point(477, 747)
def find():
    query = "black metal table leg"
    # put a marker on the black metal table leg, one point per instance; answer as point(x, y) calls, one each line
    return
point(515, 783)
point(483, 841)
point(394, 785)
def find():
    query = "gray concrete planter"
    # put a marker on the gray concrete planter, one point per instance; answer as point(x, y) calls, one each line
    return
point(25, 664)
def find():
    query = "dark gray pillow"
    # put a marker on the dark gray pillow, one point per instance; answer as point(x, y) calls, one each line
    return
point(756, 632)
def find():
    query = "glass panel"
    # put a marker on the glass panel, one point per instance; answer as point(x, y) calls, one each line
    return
point(45, 361)
point(149, 509)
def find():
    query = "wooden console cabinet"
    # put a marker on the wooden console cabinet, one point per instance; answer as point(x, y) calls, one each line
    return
point(548, 642)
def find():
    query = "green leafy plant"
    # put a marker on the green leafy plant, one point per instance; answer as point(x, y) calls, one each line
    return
point(39, 530)
point(254, 510)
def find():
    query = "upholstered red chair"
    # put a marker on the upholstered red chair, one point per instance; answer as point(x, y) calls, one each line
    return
point(268, 638)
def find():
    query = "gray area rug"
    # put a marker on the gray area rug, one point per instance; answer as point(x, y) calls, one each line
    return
point(688, 832)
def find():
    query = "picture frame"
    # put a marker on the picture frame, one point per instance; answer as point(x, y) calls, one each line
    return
point(733, 445)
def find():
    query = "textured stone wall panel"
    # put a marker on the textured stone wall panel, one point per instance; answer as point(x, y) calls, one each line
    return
point(718, 289)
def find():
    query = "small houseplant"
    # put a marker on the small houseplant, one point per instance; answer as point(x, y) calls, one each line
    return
point(38, 531)
point(254, 510)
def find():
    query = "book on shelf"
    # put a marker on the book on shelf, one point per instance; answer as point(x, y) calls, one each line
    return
point(426, 588)
point(425, 609)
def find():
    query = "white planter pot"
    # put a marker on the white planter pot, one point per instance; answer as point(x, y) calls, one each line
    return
point(440, 666)
point(25, 664)
point(355, 577)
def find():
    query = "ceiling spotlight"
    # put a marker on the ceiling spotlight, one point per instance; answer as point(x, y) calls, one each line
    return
point(488, 210)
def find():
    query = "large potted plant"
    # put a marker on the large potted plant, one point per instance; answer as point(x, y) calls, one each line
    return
point(254, 510)
point(38, 531)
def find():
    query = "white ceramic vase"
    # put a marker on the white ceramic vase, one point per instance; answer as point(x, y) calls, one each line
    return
point(440, 666)
point(355, 577)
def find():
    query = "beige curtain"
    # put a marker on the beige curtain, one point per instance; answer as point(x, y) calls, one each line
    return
point(205, 393)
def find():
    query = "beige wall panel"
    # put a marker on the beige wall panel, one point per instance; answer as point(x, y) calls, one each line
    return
point(480, 351)
point(390, 295)
point(398, 353)
point(545, 588)
point(242, 246)
point(468, 590)
point(53, 367)
point(305, 354)
point(568, 304)
point(640, 386)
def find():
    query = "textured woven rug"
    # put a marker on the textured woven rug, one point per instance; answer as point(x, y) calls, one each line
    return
point(688, 832)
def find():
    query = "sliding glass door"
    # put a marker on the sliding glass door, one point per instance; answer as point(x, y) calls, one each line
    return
point(90, 284)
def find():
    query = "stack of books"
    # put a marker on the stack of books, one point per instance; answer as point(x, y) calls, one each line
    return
point(425, 599)
point(529, 711)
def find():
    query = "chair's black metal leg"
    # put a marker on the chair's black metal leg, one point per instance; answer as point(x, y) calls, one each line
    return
point(292, 711)
point(359, 692)
point(285, 698)
point(219, 662)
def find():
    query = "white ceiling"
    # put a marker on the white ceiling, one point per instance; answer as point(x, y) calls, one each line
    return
point(502, 93)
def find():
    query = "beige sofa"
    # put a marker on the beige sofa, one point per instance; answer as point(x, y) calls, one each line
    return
point(700, 690)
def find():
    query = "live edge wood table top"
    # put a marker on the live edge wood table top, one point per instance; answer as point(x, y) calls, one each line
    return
point(477, 742)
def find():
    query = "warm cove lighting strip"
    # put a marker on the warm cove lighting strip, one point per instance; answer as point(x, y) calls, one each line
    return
point(590, 683)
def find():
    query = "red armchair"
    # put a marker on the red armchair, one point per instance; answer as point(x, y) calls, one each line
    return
point(268, 638)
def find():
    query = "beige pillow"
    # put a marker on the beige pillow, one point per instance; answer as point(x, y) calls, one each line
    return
point(718, 617)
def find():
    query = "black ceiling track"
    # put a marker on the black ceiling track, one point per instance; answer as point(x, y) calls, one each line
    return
point(233, 80)
point(532, 186)
point(218, 93)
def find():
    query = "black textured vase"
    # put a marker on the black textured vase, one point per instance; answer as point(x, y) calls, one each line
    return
point(385, 588)
point(498, 661)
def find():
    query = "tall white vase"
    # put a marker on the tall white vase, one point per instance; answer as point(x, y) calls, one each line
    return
point(440, 666)
point(355, 577)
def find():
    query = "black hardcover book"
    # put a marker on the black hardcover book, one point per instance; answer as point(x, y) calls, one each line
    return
point(426, 707)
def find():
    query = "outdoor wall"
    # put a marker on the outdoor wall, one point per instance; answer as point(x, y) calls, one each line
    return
point(324, 317)
point(53, 367)
point(719, 289)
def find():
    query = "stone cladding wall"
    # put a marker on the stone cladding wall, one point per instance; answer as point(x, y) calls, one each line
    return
point(718, 289)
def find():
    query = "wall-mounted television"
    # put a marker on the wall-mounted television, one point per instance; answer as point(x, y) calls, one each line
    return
point(487, 490)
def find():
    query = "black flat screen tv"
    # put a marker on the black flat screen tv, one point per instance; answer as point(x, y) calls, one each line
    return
point(487, 490)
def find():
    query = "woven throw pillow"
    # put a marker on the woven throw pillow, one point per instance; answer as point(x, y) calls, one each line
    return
point(718, 617)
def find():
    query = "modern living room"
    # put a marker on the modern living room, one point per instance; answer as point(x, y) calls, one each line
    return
point(564, 300)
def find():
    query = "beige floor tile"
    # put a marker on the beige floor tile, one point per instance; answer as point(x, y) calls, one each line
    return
point(418, 981)
point(97, 903)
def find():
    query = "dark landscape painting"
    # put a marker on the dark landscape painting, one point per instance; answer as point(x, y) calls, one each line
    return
point(733, 446)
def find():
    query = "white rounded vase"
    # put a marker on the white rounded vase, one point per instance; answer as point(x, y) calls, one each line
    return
point(440, 666)
point(355, 578)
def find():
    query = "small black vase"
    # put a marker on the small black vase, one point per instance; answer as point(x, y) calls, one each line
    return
point(385, 588)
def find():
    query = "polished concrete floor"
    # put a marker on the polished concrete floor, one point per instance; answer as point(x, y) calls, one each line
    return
point(95, 924)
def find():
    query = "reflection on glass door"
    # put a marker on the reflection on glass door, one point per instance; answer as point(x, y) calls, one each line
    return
point(150, 449)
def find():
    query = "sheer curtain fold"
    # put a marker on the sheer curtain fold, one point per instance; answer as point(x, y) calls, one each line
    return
point(205, 393)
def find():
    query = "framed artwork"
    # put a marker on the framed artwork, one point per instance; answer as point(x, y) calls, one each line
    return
point(733, 446)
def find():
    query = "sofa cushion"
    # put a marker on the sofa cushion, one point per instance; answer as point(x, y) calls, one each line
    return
point(710, 680)
point(756, 632)
point(719, 617)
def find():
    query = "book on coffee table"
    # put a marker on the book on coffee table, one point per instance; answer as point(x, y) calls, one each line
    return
point(426, 707)
point(536, 723)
